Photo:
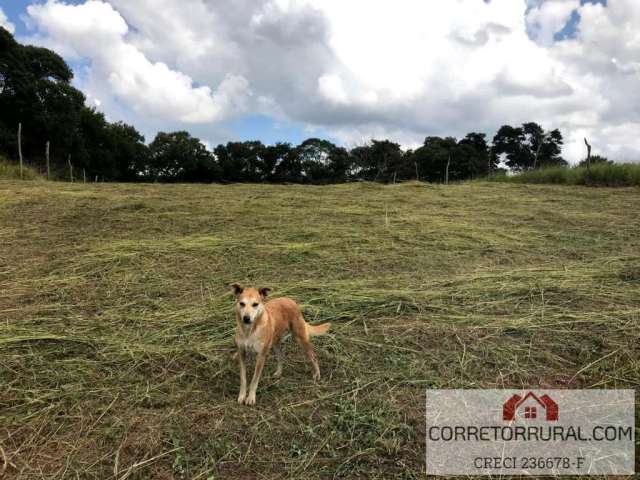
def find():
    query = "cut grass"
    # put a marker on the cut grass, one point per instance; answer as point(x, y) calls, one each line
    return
point(598, 175)
point(116, 339)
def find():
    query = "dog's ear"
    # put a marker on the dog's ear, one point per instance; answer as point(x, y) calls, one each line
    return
point(264, 291)
point(237, 289)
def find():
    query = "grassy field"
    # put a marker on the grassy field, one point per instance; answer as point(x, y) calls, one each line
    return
point(116, 326)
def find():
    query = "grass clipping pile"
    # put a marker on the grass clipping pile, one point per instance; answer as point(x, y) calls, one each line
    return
point(116, 327)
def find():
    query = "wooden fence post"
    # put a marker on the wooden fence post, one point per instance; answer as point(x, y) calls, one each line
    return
point(446, 175)
point(20, 146)
point(47, 157)
point(70, 168)
point(84, 176)
point(588, 153)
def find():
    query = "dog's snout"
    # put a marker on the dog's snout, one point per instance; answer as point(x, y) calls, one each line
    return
point(246, 319)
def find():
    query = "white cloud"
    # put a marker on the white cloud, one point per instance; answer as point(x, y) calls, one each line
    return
point(4, 22)
point(331, 87)
point(403, 69)
point(96, 31)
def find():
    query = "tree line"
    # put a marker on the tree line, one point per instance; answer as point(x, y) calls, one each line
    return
point(36, 91)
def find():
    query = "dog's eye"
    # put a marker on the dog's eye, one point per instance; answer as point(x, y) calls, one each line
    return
point(242, 304)
point(255, 305)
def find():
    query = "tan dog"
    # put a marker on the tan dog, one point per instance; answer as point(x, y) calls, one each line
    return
point(260, 326)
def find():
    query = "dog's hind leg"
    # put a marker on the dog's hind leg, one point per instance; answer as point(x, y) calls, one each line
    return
point(299, 331)
point(308, 349)
point(277, 350)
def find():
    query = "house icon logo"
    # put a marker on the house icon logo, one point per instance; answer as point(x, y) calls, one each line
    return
point(530, 407)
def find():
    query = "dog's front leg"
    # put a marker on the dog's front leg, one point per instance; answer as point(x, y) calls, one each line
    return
point(243, 375)
point(251, 398)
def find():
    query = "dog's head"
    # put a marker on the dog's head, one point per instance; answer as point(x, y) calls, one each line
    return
point(249, 303)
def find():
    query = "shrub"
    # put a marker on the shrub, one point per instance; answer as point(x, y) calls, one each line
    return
point(600, 174)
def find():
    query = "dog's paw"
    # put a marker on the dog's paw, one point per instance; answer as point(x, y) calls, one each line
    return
point(241, 398)
point(251, 399)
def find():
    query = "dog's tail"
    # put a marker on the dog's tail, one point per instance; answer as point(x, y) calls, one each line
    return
point(315, 330)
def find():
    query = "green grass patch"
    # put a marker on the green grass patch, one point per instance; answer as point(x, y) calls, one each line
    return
point(11, 171)
point(599, 175)
point(116, 326)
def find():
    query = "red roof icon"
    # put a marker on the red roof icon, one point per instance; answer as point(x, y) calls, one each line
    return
point(511, 406)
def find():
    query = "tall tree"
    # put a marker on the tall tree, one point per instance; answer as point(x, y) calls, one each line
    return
point(130, 154)
point(289, 166)
point(109, 151)
point(275, 161)
point(35, 90)
point(472, 157)
point(242, 161)
point(382, 161)
point(528, 146)
point(178, 156)
point(322, 161)
point(432, 157)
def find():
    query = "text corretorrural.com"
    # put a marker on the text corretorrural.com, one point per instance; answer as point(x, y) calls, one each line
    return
point(599, 433)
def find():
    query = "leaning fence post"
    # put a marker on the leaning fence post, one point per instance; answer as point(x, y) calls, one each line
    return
point(20, 146)
point(446, 175)
point(47, 157)
point(588, 153)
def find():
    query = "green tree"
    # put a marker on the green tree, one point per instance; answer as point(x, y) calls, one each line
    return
point(288, 167)
point(130, 154)
point(432, 157)
point(473, 156)
point(179, 157)
point(381, 161)
point(35, 90)
point(510, 142)
point(323, 162)
point(109, 151)
point(529, 146)
point(92, 148)
point(242, 161)
point(274, 158)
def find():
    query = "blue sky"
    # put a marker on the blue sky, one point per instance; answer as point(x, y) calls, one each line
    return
point(570, 28)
